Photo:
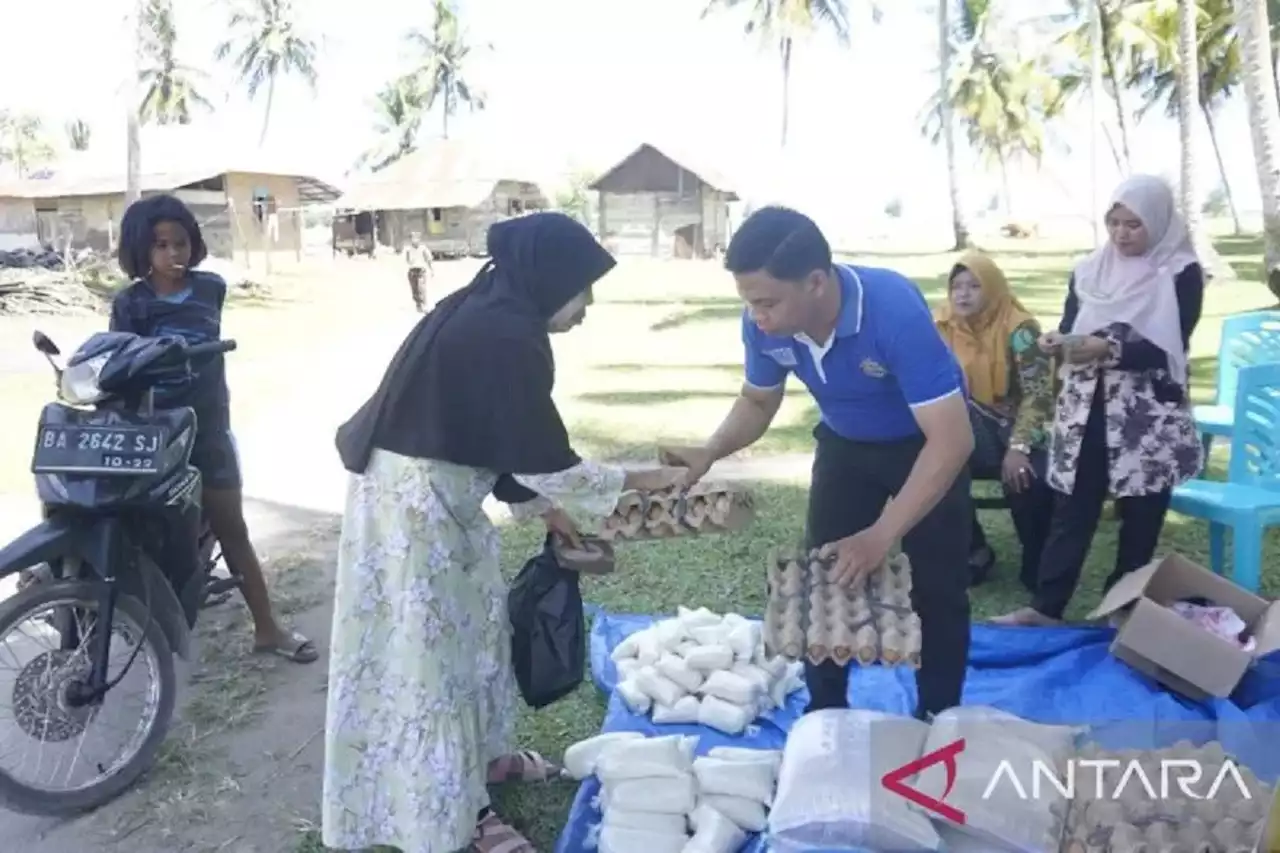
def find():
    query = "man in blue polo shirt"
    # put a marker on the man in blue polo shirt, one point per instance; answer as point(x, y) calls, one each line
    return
point(894, 425)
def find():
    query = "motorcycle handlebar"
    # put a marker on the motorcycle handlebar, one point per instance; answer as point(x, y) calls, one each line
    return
point(196, 351)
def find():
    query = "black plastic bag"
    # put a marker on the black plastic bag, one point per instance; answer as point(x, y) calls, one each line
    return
point(548, 629)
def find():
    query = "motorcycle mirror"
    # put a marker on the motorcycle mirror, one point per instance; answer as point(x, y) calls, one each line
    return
point(44, 344)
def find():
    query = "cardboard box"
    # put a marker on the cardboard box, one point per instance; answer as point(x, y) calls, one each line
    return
point(1175, 651)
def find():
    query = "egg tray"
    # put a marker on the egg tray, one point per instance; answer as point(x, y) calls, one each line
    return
point(1129, 820)
point(810, 617)
point(660, 515)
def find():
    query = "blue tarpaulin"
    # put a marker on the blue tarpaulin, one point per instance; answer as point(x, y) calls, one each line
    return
point(1049, 675)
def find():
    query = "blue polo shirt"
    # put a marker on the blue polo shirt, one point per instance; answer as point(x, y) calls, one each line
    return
point(885, 357)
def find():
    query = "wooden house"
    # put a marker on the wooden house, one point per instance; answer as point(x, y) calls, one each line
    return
point(241, 209)
point(448, 192)
point(653, 204)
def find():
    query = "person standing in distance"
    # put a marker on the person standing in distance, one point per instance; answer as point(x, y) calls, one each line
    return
point(418, 258)
point(894, 425)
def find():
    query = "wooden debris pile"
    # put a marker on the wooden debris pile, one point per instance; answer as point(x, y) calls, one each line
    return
point(34, 290)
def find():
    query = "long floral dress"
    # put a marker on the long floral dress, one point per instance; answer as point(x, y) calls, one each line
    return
point(421, 691)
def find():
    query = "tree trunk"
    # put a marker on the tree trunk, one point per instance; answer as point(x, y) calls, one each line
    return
point(1004, 184)
point(1115, 152)
point(448, 108)
point(133, 145)
point(1257, 66)
point(1188, 107)
point(133, 156)
point(266, 114)
point(1117, 88)
point(1222, 169)
point(1275, 80)
point(959, 226)
point(786, 87)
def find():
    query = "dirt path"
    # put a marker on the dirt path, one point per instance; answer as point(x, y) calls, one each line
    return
point(241, 770)
point(240, 766)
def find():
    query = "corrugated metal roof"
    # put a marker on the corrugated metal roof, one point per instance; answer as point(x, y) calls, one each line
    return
point(442, 173)
point(59, 185)
point(62, 185)
point(704, 172)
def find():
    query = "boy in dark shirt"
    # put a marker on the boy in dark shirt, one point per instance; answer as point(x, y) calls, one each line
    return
point(160, 242)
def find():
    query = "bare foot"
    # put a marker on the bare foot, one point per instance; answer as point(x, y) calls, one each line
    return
point(1026, 617)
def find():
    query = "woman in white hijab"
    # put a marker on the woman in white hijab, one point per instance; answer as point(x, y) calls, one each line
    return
point(1122, 425)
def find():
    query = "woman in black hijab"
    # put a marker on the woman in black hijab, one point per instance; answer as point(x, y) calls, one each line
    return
point(422, 699)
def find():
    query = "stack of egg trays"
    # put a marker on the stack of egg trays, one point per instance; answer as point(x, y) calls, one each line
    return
point(1124, 816)
point(660, 515)
point(868, 625)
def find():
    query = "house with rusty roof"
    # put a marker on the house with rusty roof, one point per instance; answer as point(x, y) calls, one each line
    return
point(244, 203)
point(449, 191)
point(663, 204)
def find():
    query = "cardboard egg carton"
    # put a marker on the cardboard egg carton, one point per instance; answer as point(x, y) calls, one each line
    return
point(659, 515)
point(811, 617)
point(1120, 814)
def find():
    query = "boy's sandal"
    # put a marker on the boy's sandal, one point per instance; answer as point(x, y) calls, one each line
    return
point(296, 648)
point(494, 836)
point(523, 766)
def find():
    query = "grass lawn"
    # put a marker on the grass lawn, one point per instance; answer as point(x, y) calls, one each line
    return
point(658, 360)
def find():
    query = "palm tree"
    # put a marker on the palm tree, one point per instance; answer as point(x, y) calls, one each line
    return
point(78, 134)
point(1189, 99)
point(170, 88)
point(780, 23)
point(399, 109)
point(443, 55)
point(959, 224)
point(267, 44)
point(133, 133)
point(23, 142)
point(1001, 98)
point(1258, 76)
point(1120, 41)
point(1156, 75)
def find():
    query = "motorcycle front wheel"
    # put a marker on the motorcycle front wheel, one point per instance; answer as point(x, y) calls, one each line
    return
point(58, 739)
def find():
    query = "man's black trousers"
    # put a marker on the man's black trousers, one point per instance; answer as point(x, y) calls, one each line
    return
point(852, 482)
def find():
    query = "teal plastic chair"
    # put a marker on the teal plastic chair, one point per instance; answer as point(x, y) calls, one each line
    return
point(1249, 501)
point(1247, 339)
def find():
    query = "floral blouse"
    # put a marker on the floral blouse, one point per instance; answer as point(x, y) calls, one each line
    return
point(591, 488)
point(1029, 401)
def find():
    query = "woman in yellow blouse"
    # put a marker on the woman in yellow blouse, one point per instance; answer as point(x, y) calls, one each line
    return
point(1010, 384)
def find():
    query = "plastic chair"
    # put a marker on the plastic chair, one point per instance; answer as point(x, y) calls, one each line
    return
point(1247, 339)
point(1249, 501)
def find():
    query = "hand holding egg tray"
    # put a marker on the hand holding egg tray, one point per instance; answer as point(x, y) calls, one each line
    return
point(810, 616)
point(700, 509)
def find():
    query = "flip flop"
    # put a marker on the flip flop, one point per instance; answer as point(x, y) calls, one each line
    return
point(297, 649)
point(493, 835)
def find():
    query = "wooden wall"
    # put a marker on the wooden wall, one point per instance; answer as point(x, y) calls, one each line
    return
point(664, 224)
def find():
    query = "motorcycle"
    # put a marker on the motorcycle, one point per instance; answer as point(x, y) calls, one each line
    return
point(126, 555)
point(217, 590)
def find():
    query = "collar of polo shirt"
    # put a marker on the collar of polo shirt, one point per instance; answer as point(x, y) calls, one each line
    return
point(848, 323)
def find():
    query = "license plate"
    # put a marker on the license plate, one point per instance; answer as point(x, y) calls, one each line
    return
point(98, 450)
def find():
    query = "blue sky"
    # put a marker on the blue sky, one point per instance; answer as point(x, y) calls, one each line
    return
point(578, 83)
